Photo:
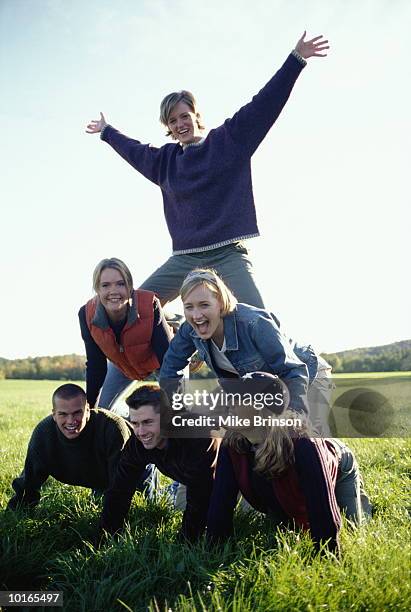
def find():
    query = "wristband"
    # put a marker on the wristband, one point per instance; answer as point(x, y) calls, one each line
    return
point(102, 131)
point(299, 57)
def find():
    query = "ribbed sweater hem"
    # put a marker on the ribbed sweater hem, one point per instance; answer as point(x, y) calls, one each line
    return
point(209, 247)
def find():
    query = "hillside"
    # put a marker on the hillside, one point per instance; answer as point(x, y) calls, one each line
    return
point(386, 358)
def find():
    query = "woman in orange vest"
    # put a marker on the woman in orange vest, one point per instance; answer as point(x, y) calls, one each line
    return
point(122, 324)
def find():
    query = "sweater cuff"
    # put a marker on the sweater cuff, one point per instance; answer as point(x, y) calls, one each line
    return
point(103, 130)
point(299, 57)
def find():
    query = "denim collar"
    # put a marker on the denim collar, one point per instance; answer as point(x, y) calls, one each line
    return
point(230, 332)
point(100, 318)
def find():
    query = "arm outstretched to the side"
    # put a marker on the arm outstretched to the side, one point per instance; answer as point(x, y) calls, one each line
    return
point(96, 125)
point(313, 47)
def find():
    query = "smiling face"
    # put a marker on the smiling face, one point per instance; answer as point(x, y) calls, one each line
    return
point(145, 422)
point(113, 293)
point(202, 309)
point(183, 124)
point(71, 415)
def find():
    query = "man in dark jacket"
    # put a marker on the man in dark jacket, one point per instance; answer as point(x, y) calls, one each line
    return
point(74, 444)
point(186, 460)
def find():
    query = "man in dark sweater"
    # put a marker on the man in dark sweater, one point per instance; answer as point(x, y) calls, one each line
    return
point(188, 461)
point(74, 444)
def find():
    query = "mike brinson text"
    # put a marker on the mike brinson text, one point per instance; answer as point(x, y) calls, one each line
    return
point(233, 420)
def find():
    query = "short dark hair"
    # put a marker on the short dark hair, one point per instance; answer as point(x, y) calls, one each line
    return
point(67, 392)
point(148, 394)
point(153, 395)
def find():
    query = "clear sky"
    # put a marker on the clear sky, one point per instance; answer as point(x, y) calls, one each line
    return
point(330, 179)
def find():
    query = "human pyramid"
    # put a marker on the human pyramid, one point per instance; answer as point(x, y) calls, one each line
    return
point(289, 468)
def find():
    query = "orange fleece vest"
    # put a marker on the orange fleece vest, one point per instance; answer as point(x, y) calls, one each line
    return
point(134, 356)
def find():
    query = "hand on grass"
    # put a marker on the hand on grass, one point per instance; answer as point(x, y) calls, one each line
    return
point(96, 125)
point(313, 47)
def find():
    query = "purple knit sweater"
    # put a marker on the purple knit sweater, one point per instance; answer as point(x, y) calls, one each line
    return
point(207, 188)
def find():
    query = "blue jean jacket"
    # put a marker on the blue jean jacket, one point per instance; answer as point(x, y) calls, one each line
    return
point(254, 342)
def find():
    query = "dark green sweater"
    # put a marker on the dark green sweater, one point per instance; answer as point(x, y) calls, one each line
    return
point(90, 460)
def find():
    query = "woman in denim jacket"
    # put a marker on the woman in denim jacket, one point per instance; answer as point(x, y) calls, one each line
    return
point(235, 339)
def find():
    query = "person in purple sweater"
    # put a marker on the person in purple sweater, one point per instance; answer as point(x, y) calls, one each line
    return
point(206, 180)
point(281, 470)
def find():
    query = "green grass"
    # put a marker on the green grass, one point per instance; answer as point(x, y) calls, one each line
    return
point(374, 375)
point(384, 410)
point(149, 569)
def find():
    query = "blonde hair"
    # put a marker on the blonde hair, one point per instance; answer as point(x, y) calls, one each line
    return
point(207, 277)
point(276, 452)
point(115, 264)
point(170, 101)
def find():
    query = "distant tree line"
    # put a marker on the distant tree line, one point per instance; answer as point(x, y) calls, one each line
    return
point(395, 357)
point(61, 367)
point(388, 358)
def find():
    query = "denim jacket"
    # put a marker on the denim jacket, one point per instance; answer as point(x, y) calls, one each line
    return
point(254, 342)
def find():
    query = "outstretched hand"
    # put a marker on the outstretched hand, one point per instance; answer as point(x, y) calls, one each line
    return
point(96, 125)
point(312, 48)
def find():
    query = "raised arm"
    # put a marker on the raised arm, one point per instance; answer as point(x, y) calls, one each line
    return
point(96, 125)
point(311, 48)
point(251, 123)
point(143, 157)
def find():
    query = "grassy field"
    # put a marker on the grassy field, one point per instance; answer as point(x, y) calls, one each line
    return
point(149, 569)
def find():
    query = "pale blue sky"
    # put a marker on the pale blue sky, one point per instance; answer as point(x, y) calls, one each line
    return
point(329, 180)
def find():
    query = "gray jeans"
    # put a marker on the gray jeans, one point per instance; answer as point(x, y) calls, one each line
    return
point(231, 262)
point(233, 265)
point(319, 398)
point(349, 489)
